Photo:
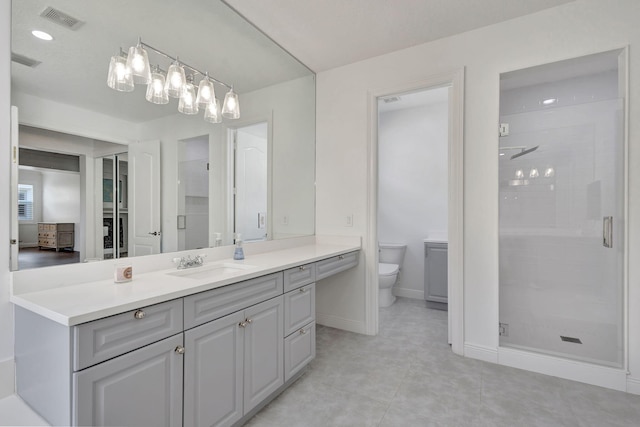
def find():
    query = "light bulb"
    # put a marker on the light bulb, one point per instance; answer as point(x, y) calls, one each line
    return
point(519, 174)
point(534, 173)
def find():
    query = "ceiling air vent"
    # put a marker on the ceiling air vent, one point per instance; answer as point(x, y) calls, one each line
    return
point(61, 18)
point(390, 99)
point(21, 59)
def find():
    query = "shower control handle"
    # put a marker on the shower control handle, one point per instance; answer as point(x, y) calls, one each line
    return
point(607, 231)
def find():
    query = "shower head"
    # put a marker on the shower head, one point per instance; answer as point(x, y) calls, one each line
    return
point(523, 152)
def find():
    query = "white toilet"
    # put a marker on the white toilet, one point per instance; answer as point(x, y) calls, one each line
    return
point(389, 264)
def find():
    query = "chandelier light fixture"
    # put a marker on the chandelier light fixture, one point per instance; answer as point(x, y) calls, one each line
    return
point(126, 70)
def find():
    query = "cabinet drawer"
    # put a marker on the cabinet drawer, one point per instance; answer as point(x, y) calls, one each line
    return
point(210, 305)
point(97, 341)
point(336, 264)
point(299, 276)
point(299, 350)
point(64, 227)
point(299, 308)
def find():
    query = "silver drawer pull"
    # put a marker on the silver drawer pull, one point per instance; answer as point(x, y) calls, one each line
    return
point(139, 314)
point(303, 290)
point(179, 349)
point(302, 268)
point(302, 331)
point(340, 256)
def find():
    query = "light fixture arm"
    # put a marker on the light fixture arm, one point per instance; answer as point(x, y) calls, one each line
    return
point(159, 52)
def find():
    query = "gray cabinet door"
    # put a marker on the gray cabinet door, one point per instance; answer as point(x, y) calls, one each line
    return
point(263, 351)
point(141, 388)
point(213, 372)
point(435, 270)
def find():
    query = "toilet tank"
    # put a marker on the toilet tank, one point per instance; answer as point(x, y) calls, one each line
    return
point(392, 253)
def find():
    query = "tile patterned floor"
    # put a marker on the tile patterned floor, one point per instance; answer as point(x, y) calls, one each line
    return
point(407, 376)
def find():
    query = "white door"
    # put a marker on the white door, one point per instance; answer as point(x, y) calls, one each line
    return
point(251, 182)
point(14, 189)
point(144, 198)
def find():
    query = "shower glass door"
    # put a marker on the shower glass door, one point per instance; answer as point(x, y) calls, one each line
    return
point(561, 180)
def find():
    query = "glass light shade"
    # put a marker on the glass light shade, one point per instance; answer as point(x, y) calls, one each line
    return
point(549, 172)
point(119, 77)
point(138, 63)
point(188, 104)
point(206, 92)
point(519, 174)
point(155, 89)
point(212, 112)
point(231, 107)
point(175, 80)
point(533, 173)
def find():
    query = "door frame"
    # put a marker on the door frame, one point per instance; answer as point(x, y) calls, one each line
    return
point(455, 80)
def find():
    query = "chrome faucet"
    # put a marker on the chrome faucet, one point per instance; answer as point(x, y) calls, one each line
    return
point(188, 262)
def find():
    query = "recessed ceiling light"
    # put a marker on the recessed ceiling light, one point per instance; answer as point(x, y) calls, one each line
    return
point(42, 35)
point(549, 101)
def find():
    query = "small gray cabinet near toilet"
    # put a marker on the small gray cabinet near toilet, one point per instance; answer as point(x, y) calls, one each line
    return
point(435, 275)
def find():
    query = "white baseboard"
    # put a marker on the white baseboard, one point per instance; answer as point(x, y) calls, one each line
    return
point(408, 293)
point(633, 385)
point(480, 352)
point(7, 377)
point(588, 373)
point(341, 323)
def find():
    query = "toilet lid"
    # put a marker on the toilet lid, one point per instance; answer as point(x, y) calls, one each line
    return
point(387, 269)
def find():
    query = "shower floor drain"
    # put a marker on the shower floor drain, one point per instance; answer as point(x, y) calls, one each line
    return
point(571, 339)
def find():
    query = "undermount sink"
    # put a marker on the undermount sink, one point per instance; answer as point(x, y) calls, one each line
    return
point(210, 271)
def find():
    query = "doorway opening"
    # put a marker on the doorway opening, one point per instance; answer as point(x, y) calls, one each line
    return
point(412, 211)
point(250, 182)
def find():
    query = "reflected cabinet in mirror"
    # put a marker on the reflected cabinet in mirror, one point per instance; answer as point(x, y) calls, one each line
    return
point(102, 173)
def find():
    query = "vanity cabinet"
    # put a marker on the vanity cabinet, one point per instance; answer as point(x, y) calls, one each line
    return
point(209, 358)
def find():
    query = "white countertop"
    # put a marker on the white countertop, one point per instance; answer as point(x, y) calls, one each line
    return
point(79, 303)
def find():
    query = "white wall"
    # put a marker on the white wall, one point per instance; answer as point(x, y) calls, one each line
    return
point(61, 199)
point(6, 309)
point(412, 185)
point(577, 28)
point(28, 231)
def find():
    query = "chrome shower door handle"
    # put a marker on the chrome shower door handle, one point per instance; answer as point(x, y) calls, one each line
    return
point(607, 231)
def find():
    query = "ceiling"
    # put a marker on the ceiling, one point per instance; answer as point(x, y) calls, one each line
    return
point(331, 33)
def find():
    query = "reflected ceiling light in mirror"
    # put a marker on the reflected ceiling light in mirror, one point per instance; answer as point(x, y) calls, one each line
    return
point(138, 62)
point(533, 173)
point(155, 89)
point(187, 103)
point(206, 91)
point(176, 79)
point(231, 107)
point(42, 35)
point(212, 112)
point(136, 67)
point(119, 77)
point(519, 174)
point(549, 101)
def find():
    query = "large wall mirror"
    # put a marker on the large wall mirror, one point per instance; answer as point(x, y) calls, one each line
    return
point(103, 173)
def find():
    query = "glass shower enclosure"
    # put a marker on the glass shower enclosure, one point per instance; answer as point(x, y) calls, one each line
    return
point(561, 209)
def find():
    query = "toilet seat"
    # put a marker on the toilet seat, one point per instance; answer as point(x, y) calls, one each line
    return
point(387, 269)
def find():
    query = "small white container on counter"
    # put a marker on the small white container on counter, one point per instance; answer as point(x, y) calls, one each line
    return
point(123, 272)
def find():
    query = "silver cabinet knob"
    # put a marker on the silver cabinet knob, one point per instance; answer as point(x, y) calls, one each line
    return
point(249, 321)
point(139, 314)
point(340, 256)
point(303, 290)
point(302, 331)
point(242, 324)
point(302, 268)
point(179, 349)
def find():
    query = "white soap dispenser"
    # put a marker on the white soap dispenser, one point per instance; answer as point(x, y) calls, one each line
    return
point(239, 252)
